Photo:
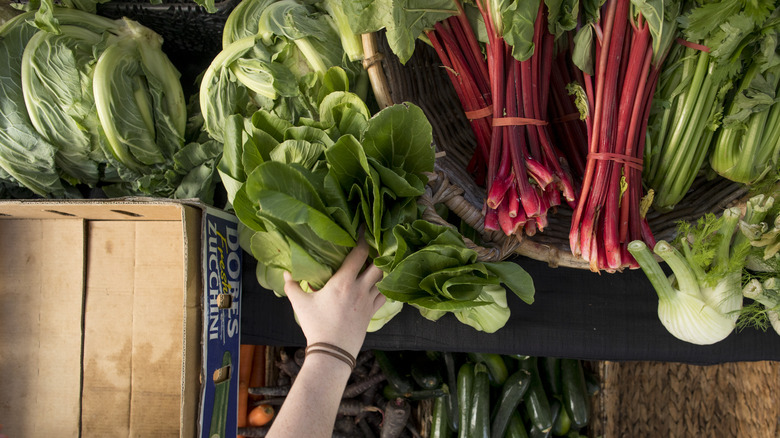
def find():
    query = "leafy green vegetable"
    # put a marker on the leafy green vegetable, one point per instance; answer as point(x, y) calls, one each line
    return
point(403, 20)
point(301, 190)
point(95, 102)
point(692, 93)
point(275, 57)
point(747, 147)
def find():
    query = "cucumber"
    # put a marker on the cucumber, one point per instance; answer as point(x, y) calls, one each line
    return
point(495, 364)
point(400, 383)
point(575, 393)
point(479, 421)
point(425, 373)
point(452, 383)
point(550, 372)
point(516, 427)
point(465, 390)
point(440, 425)
point(511, 394)
point(536, 403)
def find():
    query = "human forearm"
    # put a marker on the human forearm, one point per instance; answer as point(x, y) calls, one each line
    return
point(310, 407)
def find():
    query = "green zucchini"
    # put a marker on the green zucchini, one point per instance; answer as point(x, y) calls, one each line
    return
point(550, 372)
point(575, 393)
point(452, 383)
point(479, 420)
point(536, 432)
point(400, 383)
point(390, 393)
point(536, 402)
point(426, 373)
point(497, 371)
point(511, 395)
point(465, 392)
point(516, 427)
point(440, 425)
point(562, 423)
point(219, 411)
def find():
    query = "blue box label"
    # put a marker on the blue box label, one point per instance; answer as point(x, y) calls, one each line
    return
point(221, 324)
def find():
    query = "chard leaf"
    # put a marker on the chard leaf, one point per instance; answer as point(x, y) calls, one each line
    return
point(562, 16)
point(400, 136)
point(404, 20)
point(582, 54)
point(518, 27)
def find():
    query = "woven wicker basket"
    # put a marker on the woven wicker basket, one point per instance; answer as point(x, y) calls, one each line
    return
point(423, 81)
point(654, 399)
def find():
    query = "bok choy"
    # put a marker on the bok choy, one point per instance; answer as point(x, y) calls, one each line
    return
point(302, 190)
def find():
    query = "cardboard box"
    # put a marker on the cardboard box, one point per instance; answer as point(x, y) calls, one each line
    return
point(107, 309)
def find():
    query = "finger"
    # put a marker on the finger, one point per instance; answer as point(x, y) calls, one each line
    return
point(379, 301)
point(371, 275)
point(291, 287)
point(354, 261)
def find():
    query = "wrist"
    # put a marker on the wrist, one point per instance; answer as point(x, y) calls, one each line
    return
point(327, 366)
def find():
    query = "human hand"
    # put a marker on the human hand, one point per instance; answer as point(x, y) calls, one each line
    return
point(340, 312)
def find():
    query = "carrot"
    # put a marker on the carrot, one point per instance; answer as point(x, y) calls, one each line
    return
point(246, 356)
point(257, 377)
point(396, 415)
point(361, 386)
point(353, 408)
point(260, 415)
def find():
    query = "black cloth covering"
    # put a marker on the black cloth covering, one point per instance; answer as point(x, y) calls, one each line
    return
point(576, 314)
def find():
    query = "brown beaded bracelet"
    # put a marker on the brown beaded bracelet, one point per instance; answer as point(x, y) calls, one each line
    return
point(333, 351)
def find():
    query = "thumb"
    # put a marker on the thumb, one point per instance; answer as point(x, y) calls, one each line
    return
point(291, 287)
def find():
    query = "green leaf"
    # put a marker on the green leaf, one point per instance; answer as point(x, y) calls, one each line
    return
point(403, 20)
point(436, 304)
point(284, 194)
point(518, 27)
point(298, 151)
point(345, 111)
point(400, 136)
point(24, 154)
point(515, 278)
